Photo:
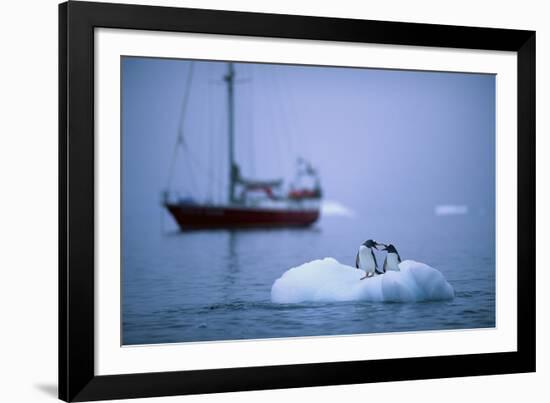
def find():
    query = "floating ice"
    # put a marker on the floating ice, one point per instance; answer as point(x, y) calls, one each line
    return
point(450, 209)
point(328, 280)
point(334, 208)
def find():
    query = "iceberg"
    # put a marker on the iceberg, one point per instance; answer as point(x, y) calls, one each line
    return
point(334, 208)
point(327, 280)
point(450, 209)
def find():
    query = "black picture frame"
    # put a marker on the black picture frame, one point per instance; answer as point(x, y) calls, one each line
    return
point(77, 379)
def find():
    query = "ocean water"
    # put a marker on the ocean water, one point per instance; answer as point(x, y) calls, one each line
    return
point(215, 285)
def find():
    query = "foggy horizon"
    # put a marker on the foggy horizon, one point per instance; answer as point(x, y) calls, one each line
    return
point(386, 141)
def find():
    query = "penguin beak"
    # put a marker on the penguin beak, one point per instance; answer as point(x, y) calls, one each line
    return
point(376, 245)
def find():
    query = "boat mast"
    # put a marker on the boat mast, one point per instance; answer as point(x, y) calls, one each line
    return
point(230, 79)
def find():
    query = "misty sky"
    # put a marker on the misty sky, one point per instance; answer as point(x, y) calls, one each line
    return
point(383, 140)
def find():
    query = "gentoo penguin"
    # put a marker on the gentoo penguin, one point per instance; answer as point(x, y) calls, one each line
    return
point(366, 260)
point(391, 263)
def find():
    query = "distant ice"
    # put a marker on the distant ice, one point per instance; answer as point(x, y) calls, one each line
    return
point(328, 280)
point(334, 208)
point(451, 209)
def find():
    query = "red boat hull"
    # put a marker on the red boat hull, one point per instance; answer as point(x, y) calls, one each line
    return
point(204, 217)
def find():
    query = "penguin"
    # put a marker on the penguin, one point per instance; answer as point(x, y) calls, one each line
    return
point(391, 263)
point(366, 259)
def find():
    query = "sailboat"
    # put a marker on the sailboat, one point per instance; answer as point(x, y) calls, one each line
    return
point(276, 207)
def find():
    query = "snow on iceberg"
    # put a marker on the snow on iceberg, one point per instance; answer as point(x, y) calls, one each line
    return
point(328, 280)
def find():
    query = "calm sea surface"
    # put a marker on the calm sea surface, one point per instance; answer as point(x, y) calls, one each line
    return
point(215, 285)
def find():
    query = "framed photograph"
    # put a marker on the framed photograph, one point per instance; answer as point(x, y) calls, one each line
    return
point(257, 201)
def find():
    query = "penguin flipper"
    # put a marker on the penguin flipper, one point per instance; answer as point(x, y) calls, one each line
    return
point(357, 261)
point(385, 267)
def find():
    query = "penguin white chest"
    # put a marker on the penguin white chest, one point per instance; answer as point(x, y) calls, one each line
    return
point(392, 262)
point(366, 261)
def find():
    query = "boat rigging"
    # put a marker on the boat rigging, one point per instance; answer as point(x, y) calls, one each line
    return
point(250, 202)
